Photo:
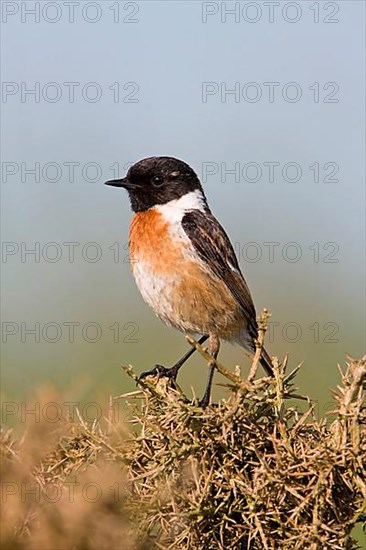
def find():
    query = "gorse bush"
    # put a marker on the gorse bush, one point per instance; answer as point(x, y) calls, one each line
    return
point(252, 472)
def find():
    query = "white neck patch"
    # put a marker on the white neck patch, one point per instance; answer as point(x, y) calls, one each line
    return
point(173, 211)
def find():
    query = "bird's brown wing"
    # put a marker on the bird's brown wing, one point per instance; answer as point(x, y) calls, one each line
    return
point(214, 248)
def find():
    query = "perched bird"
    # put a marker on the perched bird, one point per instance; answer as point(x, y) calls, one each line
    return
point(183, 262)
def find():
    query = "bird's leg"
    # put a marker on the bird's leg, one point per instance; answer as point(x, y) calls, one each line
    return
point(214, 347)
point(171, 372)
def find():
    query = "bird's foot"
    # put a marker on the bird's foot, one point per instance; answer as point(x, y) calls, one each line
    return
point(160, 372)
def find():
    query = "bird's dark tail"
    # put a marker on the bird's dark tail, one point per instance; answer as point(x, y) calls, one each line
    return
point(266, 362)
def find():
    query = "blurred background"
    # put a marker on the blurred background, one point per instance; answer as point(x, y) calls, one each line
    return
point(263, 100)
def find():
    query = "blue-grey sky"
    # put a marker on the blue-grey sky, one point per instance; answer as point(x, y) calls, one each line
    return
point(292, 128)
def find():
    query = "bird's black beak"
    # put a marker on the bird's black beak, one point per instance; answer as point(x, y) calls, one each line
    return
point(120, 183)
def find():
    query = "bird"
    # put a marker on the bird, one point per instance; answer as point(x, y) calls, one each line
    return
point(184, 263)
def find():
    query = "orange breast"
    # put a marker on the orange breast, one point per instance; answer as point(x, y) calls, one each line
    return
point(151, 242)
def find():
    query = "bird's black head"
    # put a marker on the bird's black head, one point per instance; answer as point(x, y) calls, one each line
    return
point(157, 180)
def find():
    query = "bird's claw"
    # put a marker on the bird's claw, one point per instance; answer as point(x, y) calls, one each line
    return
point(160, 372)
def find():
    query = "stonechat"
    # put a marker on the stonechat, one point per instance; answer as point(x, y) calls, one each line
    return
point(183, 262)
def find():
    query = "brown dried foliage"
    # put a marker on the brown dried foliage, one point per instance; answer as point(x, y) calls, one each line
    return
point(249, 473)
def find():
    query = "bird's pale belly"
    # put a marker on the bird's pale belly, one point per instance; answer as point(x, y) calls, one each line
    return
point(173, 281)
point(189, 299)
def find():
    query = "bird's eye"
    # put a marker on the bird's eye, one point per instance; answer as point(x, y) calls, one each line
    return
point(157, 181)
